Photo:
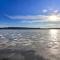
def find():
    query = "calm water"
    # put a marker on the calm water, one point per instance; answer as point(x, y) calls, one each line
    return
point(30, 44)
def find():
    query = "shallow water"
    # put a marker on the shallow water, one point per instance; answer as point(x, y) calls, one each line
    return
point(30, 44)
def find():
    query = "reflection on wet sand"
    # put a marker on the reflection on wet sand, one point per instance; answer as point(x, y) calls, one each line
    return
point(30, 44)
point(9, 54)
point(54, 44)
point(54, 40)
point(53, 34)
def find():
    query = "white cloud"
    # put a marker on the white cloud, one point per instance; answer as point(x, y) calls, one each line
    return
point(45, 10)
point(3, 25)
point(37, 17)
point(55, 11)
point(32, 17)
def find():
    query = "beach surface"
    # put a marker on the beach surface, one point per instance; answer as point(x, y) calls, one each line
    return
point(30, 44)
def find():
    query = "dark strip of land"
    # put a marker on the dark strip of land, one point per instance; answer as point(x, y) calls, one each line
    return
point(25, 28)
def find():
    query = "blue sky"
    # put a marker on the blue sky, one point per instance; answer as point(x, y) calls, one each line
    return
point(29, 13)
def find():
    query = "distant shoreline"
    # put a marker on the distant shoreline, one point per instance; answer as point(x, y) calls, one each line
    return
point(25, 28)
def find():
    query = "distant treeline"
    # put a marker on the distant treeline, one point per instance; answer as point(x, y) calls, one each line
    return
point(25, 28)
point(18, 28)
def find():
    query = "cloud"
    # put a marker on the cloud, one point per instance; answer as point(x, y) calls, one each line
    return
point(3, 25)
point(45, 10)
point(36, 17)
point(31, 17)
point(55, 11)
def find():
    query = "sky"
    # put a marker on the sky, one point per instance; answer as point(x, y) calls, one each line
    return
point(29, 13)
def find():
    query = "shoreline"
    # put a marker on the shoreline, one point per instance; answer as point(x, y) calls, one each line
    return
point(25, 28)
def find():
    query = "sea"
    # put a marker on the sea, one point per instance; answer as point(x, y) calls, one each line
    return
point(30, 44)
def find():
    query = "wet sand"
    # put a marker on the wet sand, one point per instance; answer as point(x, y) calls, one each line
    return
point(30, 44)
point(20, 54)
